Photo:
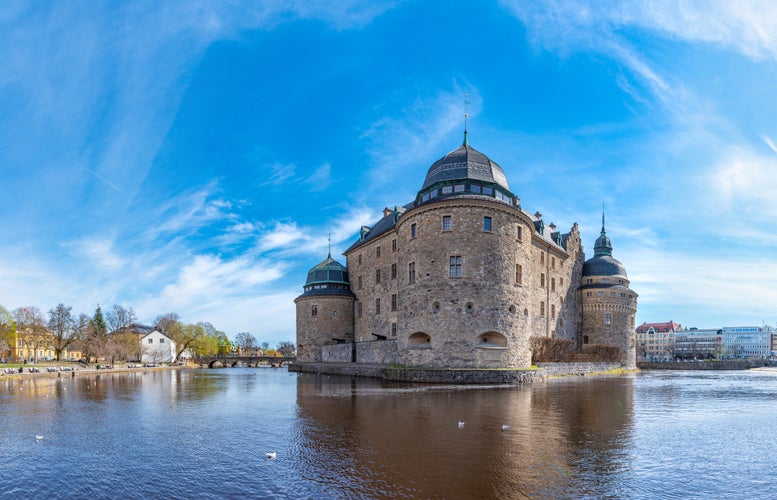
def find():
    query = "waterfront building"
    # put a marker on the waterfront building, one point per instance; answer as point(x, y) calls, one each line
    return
point(698, 344)
point(747, 341)
point(463, 276)
point(655, 341)
point(156, 347)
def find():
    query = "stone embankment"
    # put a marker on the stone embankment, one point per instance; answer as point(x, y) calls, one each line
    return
point(463, 376)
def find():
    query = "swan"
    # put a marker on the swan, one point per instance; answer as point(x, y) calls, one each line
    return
point(505, 427)
point(271, 454)
point(38, 437)
point(461, 424)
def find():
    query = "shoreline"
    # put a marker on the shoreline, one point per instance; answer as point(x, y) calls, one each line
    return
point(87, 370)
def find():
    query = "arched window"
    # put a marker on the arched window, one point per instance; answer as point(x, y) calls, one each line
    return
point(419, 340)
point(491, 340)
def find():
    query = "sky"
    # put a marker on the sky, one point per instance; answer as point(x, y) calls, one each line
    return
point(195, 156)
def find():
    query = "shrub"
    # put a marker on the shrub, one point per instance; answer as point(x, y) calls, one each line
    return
point(546, 349)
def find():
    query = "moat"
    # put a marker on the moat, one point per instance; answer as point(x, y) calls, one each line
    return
point(204, 434)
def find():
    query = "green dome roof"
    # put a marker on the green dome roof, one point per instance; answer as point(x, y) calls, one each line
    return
point(328, 271)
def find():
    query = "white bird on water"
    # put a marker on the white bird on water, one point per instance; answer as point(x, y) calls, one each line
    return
point(38, 437)
point(505, 427)
point(271, 454)
point(461, 424)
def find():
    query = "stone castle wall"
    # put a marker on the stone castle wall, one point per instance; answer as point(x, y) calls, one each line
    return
point(333, 320)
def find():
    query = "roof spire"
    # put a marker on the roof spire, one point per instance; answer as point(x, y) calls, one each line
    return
point(466, 114)
point(329, 249)
point(603, 246)
point(602, 218)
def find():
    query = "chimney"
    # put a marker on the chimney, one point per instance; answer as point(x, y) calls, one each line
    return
point(387, 211)
point(538, 216)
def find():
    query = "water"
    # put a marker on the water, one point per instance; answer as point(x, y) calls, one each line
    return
point(204, 434)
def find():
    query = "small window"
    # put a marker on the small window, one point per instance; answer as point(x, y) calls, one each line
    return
point(613, 294)
point(150, 341)
point(474, 188)
point(542, 280)
point(600, 294)
point(561, 281)
point(487, 224)
point(518, 274)
point(314, 311)
point(334, 312)
point(542, 257)
point(553, 263)
point(358, 309)
point(447, 223)
point(588, 294)
point(359, 259)
point(458, 188)
point(394, 245)
point(411, 272)
point(393, 329)
point(489, 191)
point(377, 276)
point(393, 301)
point(553, 311)
point(607, 318)
point(454, 270)
point(359, 282)
point(413, 230)
point(419, 340)
point(585, 339)
point(518, 233)
point(542, 308)
point(552, 284)
point(377, 305)
point(161, 341)
point(394, 271)
point(447, 189)
point(377, 251)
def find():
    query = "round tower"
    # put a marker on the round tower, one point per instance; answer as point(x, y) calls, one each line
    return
point(608, 304)
point(324, 310)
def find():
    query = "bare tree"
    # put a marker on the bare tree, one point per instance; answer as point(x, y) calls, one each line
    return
point(286, 348)
point(7, 332)
point(246, 341)
point(63, 328)
point(119, 318)
point(32, 331)
point(166, 323)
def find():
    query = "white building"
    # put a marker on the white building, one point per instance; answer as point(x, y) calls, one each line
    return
point(156, 347)
point(747, 341)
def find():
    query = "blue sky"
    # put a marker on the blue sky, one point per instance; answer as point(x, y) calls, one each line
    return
point(193, 156)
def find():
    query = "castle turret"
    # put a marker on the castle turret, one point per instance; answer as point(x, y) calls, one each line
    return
point(324, 310)
point(608, 304)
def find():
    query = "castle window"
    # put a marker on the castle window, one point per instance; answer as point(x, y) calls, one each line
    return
point(542, 280)
point(518, 274)
point(394, 329)
point(458, 188)
point(419, 340)
point(447, 189)
point(542, 308)
point(518, 233)
point(314, 311)
point(359, 259)
point(585, 339)
point(359, 282)
point(612, 294)
point(358, 309)
point(474, 188)
point(491, 340)
point(377, 251)
point(605, 280)
point(552, 284)
point(542, 257)
point(487, 224)
point(447, 223)
point(413, 230)
point(393, 301)
point(553, 263)
point(394, 245)
point(600, 294)
point(334, 312)
point(561, 282)
point(454, 270)
point(411, 272)
point(588, 294)
point(377, 305)
point(607, 318)
point(489, 191)
point(394, 271)
point(377, 276)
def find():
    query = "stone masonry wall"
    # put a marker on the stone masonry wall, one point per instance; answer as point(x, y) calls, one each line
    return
point(333, 320)
point(380, 352)
point(336, 353)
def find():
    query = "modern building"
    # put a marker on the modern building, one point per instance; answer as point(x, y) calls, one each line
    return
point(747, 341)
point(655, 341)
point(698, 344)
point(463, 276)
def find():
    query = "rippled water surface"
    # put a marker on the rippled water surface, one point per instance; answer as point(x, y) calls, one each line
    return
point(204, 434)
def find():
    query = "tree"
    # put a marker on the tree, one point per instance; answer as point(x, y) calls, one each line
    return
point(63, 327)
point(119, 318)
point(93, 336)
point(187, 337)
point(7, 332)
point(31, 329)
point(225, 346)
point(286, 348)
point(246, 341)
point(166, 323)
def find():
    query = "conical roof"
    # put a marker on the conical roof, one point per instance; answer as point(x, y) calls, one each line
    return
point(328, 271)
point(603, 263)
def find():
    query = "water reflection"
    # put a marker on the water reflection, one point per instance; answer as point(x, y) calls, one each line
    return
point(373, 438)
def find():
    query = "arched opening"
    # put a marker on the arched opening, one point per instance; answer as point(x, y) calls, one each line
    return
point(419, 340)
point(491, 340)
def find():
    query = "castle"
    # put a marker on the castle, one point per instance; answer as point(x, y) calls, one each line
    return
point(462, 277)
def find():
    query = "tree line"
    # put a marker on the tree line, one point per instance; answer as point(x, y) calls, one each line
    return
point(113, 335)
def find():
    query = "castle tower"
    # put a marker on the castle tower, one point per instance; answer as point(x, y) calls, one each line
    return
point(324, 310)
point(608, 304)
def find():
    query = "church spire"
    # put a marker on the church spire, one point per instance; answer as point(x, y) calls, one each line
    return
point(603, 245)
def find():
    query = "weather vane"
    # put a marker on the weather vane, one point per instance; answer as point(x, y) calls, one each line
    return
point(466, 114)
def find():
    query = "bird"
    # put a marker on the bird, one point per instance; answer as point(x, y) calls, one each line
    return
point(271, 454)
point(505, 427)
point(38, 437)
point(461, 424)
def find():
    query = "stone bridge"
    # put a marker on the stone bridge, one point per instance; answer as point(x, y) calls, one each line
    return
point(252, 361)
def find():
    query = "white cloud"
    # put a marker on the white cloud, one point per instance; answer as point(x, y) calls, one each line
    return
point(100, 253)
point(746, 183)
point(320, 179)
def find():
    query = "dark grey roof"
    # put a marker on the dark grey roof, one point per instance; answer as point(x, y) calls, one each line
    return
point(328, 271)
point(384, 225)
point(603, 265)
point(465, 163)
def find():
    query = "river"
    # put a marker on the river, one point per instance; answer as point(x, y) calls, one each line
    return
point(204, 434)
